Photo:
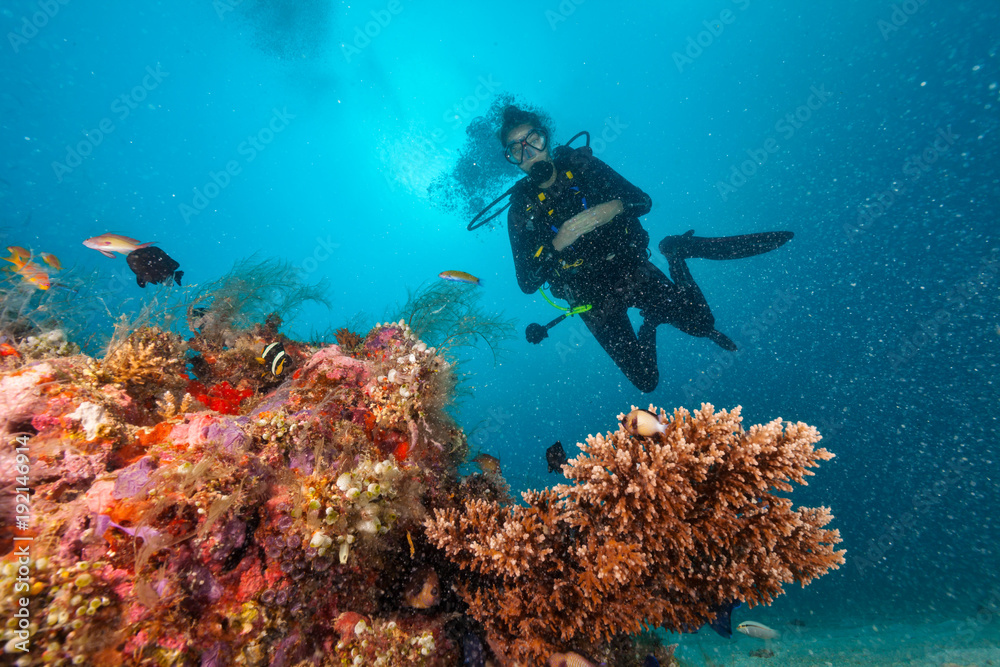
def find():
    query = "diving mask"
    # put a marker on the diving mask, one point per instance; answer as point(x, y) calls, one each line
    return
point(520, 149)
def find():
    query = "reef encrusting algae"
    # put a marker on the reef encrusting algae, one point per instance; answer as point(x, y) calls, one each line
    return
point(165, 533)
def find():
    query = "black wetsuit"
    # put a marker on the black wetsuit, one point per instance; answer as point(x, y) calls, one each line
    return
point(608, 267)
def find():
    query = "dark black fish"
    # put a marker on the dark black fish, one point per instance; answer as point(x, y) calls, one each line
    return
point(556, 456)
point(152, 265)
point(722, 623)
point(473, 653)
point(650, 661)
point(274, 358)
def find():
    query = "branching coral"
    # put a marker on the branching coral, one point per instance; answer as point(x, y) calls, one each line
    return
point(651, 532)
point(145, 363)
point(349, 341)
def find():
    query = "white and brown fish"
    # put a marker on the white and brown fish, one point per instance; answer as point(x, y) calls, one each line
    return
point(643, 423)
point(758, 630)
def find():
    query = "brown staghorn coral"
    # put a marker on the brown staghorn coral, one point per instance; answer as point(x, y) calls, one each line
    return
point(147, 355)
point(349, 341)
point(651, 532)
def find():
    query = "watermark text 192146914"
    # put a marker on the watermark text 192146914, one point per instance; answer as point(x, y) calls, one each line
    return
point(20, 623)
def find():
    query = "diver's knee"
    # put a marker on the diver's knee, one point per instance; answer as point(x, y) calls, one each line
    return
point(647, 382)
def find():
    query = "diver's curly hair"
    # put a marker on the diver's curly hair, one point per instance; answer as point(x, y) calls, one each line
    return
point(480, 170)
point(513, 116)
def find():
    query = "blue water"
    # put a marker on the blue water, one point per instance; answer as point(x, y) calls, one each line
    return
point(881, 330)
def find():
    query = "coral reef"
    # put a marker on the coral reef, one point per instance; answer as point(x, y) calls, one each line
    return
point(50, 344)
point(143, 357)
point(188, 506)
point(179, 535)
point(652, 531)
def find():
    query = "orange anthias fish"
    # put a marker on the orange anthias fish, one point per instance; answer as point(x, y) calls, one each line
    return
point(7, 350)
point(33, 274)
point(108, 244)
point(424, 590)
point(17, 253)
point(51, 260)
point(460, 277)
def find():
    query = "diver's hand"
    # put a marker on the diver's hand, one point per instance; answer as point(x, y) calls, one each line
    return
point(586, 221)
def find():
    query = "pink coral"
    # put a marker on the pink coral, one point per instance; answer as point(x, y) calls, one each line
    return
point(21, 397)
point(194, 429)
point(336, 366)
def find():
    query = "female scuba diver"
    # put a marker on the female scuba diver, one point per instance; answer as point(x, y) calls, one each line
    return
point(574, 223)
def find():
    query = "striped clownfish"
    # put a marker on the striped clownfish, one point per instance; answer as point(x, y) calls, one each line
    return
point(274, 358)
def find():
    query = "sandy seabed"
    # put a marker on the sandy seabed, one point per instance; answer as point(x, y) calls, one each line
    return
point(964, 642)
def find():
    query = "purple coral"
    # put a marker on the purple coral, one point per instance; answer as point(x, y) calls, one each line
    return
point(132, 479)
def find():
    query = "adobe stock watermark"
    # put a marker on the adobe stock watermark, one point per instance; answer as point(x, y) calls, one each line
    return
point(786, 126)
point(565, 9)
point(903, 528)
point(914, 167)
point(423, 148)
point(31, 26)
point(750, 333)
point(495, 420)
point(927, 331)
point(901, 14)
point(122, 107)
point(248, 149)
point(986, 613)
point(609, 134)
point(223, 7)
point(321, 252)
point(363, 35)
point(704, 39)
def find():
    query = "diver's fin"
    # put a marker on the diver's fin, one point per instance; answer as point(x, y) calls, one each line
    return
point(722, 247)
point(722, 340)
